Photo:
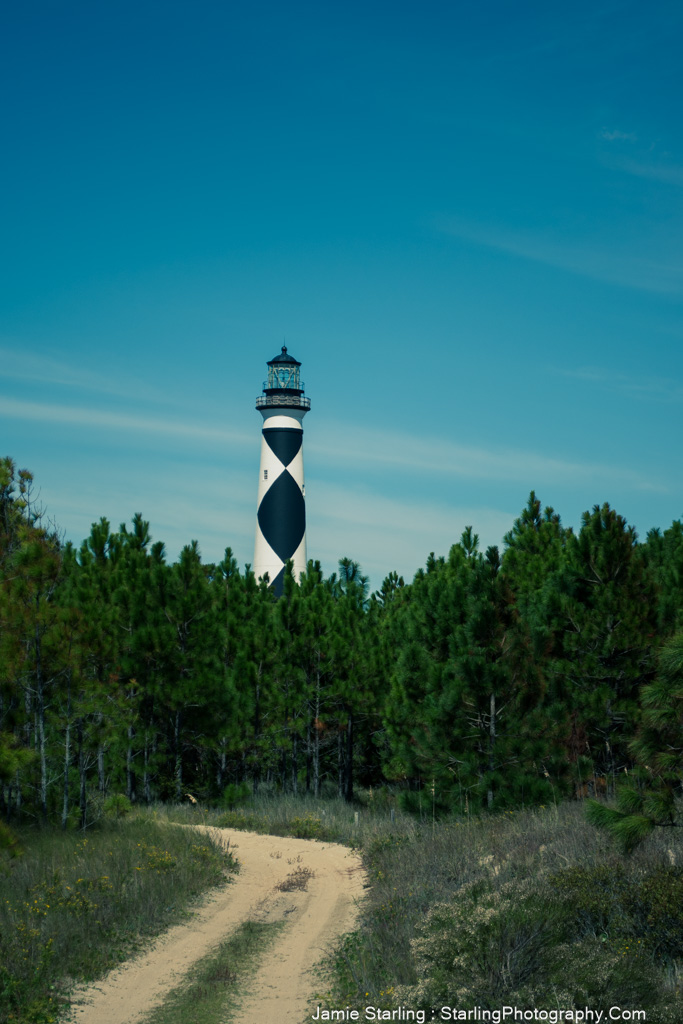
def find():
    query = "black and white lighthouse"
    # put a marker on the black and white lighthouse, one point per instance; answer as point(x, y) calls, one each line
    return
point(281, 509)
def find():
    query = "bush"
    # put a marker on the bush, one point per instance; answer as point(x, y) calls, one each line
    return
point(117, 806)
point(655, 904)
point(609, 903)
point(236, 794)
point(483, 946)
point(597, 897)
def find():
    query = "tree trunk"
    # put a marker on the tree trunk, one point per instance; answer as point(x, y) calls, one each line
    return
point(316, 741)
point(295, 764)
point(348, 788)
point(83, 792)
point(101, 781)
point(256, 770)
point(492, 744)
point(283, 770)
point(67, 754)
point(40, 712)
point(178, 760)
point(145, 774)
point(340, 763)
point(308, 756)
point(130, 777)
point(222, 761)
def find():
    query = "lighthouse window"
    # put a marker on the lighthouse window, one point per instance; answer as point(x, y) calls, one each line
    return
point(284, 377)
point(265, 474)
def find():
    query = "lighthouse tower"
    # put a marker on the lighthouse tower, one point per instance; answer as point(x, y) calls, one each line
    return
point(280, 508)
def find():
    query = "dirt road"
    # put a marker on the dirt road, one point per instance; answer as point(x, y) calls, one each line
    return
point(284, 981)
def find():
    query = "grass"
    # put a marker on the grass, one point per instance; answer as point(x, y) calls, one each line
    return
point(326, 819)
point(211, 991)
point(73, 906)
point(529, 908)
point(534, 908)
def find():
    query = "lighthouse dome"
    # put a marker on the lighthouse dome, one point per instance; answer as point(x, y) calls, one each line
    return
point(284, 359)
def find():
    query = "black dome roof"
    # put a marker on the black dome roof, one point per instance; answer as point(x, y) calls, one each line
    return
point(284, 359)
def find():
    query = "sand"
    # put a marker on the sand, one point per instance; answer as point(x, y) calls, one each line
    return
point(284, 983)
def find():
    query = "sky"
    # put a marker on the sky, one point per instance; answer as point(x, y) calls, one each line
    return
point(465, 220)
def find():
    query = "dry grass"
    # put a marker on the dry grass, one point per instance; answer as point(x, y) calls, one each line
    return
point(297, 879)
point(510, 907)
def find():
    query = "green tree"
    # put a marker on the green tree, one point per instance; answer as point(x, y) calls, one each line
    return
point(663, 556)
point(651, 797)
point(609, 611)
point(188, 645)
point(465, 709)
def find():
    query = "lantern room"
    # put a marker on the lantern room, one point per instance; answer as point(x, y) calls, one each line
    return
point(284, 385)
point(283, 373)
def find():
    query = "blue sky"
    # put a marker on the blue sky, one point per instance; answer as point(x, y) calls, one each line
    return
point(466, 221)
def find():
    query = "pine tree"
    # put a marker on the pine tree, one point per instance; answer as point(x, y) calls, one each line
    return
point(609, 612)
point(31, 630)
point(663, 556)
point(651, 797)
point(188, 646)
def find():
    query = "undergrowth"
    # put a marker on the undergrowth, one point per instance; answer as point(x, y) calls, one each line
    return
point(529, 908)
point(533, 909)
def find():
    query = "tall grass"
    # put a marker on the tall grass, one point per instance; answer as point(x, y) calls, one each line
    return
point(306, 817)
point(533, 907)
point(529, 908)
point(74, 905)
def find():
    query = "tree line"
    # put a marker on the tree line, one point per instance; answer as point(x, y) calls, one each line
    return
point(492, 680)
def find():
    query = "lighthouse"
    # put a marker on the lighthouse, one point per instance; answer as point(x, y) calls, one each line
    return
point(280, 507)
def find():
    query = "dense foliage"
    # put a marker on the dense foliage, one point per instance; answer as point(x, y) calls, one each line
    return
point(492, 680)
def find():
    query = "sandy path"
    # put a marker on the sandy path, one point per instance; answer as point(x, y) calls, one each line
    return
point(283, 983)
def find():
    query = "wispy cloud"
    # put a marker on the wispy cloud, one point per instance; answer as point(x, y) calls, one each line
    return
point(182, 502)
point(648, 160)
point(670, 174)
point(653, 388)
point(103, 419)
point(381, 532)
point(431, 455)
point(614, 135)
point(40, 368)
point(624, 268)
point(362, 448)
point(385, 533)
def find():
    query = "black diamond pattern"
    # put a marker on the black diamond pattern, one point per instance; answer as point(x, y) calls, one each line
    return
point(278, 583)
point(284, 442)
point(282, 515)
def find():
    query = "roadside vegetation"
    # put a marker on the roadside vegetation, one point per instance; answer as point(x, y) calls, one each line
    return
point(73, 905)
point(533, 908)
point(525, 908)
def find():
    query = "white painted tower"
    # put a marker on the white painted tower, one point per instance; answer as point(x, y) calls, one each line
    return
point(280, 508)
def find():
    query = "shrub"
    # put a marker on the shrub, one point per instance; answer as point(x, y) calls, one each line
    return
point(596, 896)
point(308, 826)
point(655, 904)
point(235, 794)
point(117, 806)
point(599, 974)
point(483, 945)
